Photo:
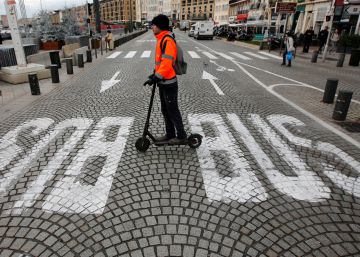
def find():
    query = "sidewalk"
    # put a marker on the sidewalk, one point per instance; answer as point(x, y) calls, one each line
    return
point(16, 97)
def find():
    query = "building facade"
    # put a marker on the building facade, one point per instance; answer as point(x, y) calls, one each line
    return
point(175, 7)
point(197, 9)
point(221, 13)
point(116, 10)
point(153, 8)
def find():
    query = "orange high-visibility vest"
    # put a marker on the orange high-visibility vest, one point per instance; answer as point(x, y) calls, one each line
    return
point(164, 61)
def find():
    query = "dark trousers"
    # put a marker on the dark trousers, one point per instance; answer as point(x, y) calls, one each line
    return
point(322, 43)
point(170, 111)
point(284, 58)
point(307, 43)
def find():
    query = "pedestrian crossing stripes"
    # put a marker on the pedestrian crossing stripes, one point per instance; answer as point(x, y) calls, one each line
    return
point(114, 55)
point(245, 56)
point(256, 55)
point(241, 56)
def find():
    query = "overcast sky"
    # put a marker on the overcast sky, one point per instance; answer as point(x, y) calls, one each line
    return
point(33, 6)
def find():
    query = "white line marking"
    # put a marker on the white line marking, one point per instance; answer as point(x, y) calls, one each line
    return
point(311, 116)
point(194, 55)
point(131, 54)
point(241, 56)
point(210, 55)
point(226, 56)
point(146, 54)
point(256, 55)
point(271, 55)
point(114, 55)
point(212, 79)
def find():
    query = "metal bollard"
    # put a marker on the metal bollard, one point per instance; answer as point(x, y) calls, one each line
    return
point(55, 58)
point(330, 91)
point(34, 84)
point(342, 105)
point(95, 53)
point(101, 47)
point(80, 60)
point(340, 62)
point(314, 56)
point(54, 73)
point(69, 66)
point(88, 56)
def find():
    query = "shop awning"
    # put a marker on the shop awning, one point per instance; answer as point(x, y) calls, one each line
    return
point(242, 17)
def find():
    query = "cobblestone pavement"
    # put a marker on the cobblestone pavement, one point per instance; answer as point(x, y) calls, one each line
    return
point(270, 179)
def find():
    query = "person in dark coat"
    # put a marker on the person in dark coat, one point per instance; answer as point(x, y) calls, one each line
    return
point(307, 39)
point(323, 35)
point(1, 39)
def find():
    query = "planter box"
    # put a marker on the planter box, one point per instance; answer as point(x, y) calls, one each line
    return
point(82, 40)
point(51, 45)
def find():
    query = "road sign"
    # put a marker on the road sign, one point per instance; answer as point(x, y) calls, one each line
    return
point(285, 7)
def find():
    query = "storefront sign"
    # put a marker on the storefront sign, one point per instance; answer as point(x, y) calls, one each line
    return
point(242, 17)
point(353, 9)
point(285, 7)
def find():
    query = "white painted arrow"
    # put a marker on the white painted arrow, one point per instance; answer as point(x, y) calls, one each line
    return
point(212, 79)
point(106, 84)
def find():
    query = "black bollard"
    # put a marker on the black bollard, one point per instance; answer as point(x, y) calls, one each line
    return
point(34, 84)
point(354, 57)
point(330, 91)
point(55, 58)
point(80, 60)
point(95, 53)
point(314, 56)
point(69, 66)
point(340, 62)
point(88, 56)
point(342, 105)
point(54, 73)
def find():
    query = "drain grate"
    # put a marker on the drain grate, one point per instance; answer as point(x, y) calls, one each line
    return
point(353, 127)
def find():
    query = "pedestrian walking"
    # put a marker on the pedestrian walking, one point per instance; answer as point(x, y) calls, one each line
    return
point(333, 40)
point(1, 39)
point(185, 28)
point(289, 49)
point(109, 40)
point(323, 35)
point(308, 36)
point(165, 77)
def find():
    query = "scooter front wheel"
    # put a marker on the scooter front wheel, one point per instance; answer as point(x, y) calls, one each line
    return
point(194, 140)
point(142, 144)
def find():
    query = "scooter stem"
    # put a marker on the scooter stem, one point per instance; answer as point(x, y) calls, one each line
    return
point(147, 124)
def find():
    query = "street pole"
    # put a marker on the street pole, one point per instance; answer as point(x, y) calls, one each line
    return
point(332, 10)
point(131, 18)
point(357, 30)
point(10, 7)
point(97, 16)
point(41, 7)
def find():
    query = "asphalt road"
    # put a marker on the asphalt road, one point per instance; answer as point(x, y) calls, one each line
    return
point(273, 177)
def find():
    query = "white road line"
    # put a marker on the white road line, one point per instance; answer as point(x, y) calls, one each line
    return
point(226, 56)
point(131, 54)
point(194, 55)
point(146, 54)
point(212, 57)
point(271, 55)
point(240, 56)
point(256, 55)
point(114, 55)
point(311, 116)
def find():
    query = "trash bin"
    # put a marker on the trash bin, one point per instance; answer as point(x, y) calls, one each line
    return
point(342, 105)
point(330, 91)
point(354, 57)
point(34, 84)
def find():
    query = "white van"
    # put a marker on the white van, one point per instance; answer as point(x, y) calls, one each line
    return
point(204, 29)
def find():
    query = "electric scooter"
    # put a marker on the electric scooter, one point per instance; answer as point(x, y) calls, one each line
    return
point(143, 143)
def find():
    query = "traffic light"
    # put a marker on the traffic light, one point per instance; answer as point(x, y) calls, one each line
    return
point(89, 9)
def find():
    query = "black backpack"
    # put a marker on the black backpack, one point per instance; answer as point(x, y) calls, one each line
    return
point(180, 66)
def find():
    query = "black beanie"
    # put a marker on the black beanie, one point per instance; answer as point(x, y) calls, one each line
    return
point(161, 21)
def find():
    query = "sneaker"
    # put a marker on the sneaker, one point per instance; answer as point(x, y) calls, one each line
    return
point(177, 141)
point(161, 139)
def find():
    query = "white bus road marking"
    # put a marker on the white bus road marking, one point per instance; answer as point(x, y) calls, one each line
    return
point(106, 84)
point(271, 55)
point(243, 185)
point(146, 54)
point(130, 55)
point(227, 57)
point(194, 55)
point(212, 79)
point(209, 55)
point(114, 55)
point(241, 56)
point(256, 55)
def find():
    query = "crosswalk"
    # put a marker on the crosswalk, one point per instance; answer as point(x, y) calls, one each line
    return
point(232, 56)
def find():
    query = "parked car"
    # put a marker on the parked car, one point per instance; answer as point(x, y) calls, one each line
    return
point(191, 31)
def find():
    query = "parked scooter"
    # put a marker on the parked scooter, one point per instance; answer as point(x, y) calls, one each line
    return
point(231, 35)
point(274, 42)
point(244, 36)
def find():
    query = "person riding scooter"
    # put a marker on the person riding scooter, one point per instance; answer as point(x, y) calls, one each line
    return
point(165, 77)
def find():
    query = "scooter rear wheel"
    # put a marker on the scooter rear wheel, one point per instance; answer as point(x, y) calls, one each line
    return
point(194, 140)
point(142, 144)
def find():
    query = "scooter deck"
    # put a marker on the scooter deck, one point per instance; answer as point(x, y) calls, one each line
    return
point(166, 142)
